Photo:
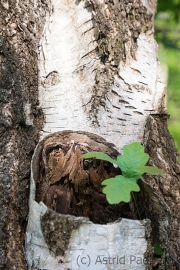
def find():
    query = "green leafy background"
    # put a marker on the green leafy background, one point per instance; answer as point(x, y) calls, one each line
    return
point(167, 31)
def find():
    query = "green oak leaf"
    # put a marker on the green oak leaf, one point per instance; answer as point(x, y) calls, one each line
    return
point(99, 155)
point(131, 174)
point(118, 189)
point(138, 172)
point(149, 170)
point(133, 157)
point(132, 164)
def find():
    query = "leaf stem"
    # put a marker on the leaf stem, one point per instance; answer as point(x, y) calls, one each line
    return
point(136, 206)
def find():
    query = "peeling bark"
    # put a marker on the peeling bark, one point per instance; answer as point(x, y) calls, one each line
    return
point(89, 66)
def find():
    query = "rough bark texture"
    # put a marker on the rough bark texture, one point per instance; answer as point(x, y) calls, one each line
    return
point(20, 121)
point(89, 66)
point(160, 145)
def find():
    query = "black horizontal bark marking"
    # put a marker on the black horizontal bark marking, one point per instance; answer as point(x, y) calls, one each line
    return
point(123, 101)
point(88, 30)
point(114, 92)
point(121, 119)
point(138, 112)
point(130, 107)
point(143, 83)
point(116, 107)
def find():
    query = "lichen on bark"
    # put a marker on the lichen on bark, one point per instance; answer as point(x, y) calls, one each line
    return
point(57, 230)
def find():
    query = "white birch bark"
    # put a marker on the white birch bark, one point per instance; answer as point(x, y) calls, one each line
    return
point(68, 62)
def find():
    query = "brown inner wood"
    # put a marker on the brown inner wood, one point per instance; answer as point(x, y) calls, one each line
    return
point(70, 185)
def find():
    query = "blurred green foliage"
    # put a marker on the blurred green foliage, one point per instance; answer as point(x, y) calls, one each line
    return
point(167, 30)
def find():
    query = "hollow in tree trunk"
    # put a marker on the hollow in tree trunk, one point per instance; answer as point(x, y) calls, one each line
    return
point(78, 76)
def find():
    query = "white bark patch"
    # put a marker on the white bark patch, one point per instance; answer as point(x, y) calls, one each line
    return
point(108, 246)
point(7, 115)
point(5, 4)
point(140, 93)
point(68, 37)
point(117, 246)
point(150, 5)
point(68, 50)
point(28, 116)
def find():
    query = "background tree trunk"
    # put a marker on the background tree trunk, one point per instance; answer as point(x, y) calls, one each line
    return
point(88, 66)
point(21, 120)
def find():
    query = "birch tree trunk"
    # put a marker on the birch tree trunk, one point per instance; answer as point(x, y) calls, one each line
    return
point(78, 76)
